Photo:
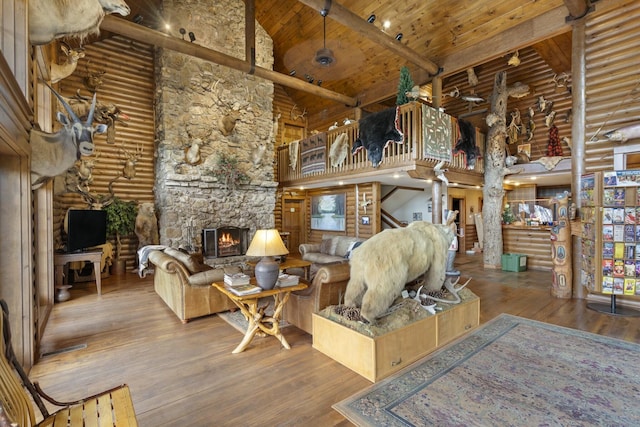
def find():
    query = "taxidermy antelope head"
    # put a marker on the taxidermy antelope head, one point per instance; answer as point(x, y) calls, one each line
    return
point(54, 153)
point(53, 19)
point(62, 71)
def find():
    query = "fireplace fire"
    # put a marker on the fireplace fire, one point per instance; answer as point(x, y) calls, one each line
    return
point(224, 241)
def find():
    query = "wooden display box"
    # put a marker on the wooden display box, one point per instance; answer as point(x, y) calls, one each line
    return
point(378, 357)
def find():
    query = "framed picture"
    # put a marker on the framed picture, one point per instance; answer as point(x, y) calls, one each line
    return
point(365, 220)
point(328, 212)
point(417, 216)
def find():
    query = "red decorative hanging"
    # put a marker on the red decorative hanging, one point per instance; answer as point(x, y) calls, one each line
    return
point(554, 148)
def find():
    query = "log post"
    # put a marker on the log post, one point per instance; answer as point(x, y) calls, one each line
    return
point(493, 192)
point(562, 284)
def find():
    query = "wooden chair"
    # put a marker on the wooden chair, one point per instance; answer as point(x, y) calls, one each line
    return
point(112, 407)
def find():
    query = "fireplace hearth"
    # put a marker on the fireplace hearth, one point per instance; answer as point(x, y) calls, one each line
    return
point(224, 241)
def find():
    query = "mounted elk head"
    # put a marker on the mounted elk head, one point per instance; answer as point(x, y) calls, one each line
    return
point(64, 70)
point(54, 153)
point(52, 19)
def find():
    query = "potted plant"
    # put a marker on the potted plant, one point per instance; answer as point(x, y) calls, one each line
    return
point(121, 220)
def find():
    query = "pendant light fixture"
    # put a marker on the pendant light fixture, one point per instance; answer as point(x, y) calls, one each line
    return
point(324, 56)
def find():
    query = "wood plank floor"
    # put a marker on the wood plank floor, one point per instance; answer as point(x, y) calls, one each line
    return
point(186, 375)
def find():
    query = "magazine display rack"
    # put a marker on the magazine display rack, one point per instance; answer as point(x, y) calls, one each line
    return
point(610, 215)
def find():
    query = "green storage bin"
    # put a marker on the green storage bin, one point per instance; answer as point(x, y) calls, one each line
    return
point(514, 262)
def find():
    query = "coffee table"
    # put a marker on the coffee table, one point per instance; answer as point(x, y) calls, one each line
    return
point(255, 315)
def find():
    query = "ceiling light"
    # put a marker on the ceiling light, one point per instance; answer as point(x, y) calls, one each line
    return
point(386, 24)
point(371, 19)
point(399, 36)
point(533, 178)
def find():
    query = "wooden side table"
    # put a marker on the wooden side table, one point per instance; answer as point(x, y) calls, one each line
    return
point(291, 263)
point(61, 259)
point(256, 317)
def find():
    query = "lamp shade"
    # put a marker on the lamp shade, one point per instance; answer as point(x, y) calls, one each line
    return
point(267, 243)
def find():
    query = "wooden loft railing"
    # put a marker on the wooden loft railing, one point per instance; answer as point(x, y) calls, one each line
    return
point(407, 156)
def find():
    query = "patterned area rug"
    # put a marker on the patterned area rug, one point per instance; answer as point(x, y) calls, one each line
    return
point(237, 320)
point(511, 371)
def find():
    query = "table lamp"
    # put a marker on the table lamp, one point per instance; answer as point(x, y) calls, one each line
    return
point(267, 244)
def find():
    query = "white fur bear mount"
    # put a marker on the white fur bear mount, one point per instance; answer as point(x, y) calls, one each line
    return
point(383, 264)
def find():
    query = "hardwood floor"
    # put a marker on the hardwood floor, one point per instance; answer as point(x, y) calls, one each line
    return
point(186, 375)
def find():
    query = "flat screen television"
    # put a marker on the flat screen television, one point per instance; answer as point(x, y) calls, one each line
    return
point(85, 229)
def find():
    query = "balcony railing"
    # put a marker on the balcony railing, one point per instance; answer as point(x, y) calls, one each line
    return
point(403, 156)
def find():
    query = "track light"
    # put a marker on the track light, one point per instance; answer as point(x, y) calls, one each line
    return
point(182, 32)
point(319, 82)
point(371, 19)
point(138, 19)
point(292, 73)
point(192, 36)
point(399, 36)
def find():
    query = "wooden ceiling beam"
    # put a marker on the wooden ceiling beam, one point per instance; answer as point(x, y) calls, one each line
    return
point(341, 14)
point(147, 35)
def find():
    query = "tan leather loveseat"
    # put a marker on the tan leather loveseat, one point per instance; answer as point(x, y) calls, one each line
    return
point(332, 249)
point(327, 288)
point(185, 285)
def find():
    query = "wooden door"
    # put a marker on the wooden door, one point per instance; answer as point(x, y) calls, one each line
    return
point(293, 222)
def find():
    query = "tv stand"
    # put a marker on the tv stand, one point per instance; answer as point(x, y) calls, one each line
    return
point(61, 259)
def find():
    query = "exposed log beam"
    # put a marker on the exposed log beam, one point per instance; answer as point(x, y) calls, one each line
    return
point(159, 39)
point(577, 8)
point(341, 14)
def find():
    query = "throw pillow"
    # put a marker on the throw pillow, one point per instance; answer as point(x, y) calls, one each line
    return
point(187, 260)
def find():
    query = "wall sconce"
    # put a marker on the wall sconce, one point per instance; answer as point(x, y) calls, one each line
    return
point(182, 32)
point(399, 36)
point(192, 36)
point(371, 19)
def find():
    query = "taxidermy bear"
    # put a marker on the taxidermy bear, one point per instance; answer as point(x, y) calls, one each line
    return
point(382, 265)
point(376, 131)
point(146, 227)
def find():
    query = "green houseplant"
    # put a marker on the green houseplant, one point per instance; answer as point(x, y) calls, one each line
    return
point(121, 221)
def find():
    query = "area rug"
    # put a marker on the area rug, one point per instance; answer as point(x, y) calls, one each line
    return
point(238, 321)
point(510, 372)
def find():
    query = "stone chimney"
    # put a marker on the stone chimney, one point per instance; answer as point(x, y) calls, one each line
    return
point(207, 114)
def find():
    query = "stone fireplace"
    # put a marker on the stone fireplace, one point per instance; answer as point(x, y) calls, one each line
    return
point(195, 99)
point(224, 241)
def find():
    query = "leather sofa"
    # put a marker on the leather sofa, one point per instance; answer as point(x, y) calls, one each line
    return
point(185, 285)
point(327, 288)
point(332, 249)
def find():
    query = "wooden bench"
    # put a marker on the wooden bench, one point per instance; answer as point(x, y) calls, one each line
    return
point(112, 407)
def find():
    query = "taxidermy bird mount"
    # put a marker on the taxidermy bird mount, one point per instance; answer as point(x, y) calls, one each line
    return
point(364, 203)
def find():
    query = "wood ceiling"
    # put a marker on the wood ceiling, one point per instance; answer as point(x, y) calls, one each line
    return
point(452, 35)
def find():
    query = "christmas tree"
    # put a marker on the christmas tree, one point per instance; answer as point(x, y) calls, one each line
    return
point(405, 85)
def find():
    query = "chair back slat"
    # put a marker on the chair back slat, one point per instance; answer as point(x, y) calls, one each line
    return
point(13, 397)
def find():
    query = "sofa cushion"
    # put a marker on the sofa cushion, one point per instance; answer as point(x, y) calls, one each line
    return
point(325, 246)
point(187, 260)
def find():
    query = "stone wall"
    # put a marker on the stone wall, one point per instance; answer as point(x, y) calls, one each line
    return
point(192, 98)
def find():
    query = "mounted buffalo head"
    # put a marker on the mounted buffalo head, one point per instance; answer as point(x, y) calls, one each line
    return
point(54, 153)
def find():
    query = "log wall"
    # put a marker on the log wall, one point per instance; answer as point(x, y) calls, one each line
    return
point(535, 242)
point(128, 83)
